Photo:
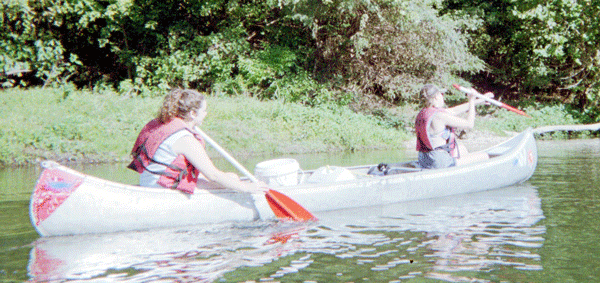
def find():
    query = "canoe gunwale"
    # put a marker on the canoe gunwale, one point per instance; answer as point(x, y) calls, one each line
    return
point(397, 188)
point(507, 154)
point(211, 205)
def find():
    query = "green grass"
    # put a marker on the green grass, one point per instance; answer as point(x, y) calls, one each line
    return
point(50, 124)
point(281, 127)
point(70, 125)
point(84, 126)
point(501, 121)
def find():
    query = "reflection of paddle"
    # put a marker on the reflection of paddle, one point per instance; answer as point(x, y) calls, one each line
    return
point(492, 101)
point(283, 206)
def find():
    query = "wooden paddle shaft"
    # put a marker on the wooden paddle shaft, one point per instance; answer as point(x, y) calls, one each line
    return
point(229, 158)
point(478, 95)
point(282, 205)
point(492, 101)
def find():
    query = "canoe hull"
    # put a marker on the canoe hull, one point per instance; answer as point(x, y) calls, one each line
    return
point(101, 206)
point(67, 202)
point(515, 164)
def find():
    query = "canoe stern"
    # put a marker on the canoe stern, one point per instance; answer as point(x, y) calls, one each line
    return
point(53, 187)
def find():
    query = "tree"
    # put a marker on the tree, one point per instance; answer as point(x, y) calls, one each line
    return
point(30, 41)
point(564, 37)
point(386, 48)
point(299, 50)
point(547, 48)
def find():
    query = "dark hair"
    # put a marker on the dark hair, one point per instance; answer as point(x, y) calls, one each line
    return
point(179, 103)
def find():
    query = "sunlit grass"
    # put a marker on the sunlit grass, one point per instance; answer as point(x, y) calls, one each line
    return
point(81, 125)
point(68, 124)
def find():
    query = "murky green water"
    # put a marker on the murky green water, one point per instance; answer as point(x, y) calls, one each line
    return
point(544, 230)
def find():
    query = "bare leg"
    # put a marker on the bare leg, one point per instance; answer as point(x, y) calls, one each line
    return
point(462, 150)
point(466, 157)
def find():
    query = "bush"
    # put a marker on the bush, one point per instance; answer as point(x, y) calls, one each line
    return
point(545, 48)
point(504, 120)
point(305, 51)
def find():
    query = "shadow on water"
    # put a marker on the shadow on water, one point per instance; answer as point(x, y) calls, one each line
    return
point(450, 238)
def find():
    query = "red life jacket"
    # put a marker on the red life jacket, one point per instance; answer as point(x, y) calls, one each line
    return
point(180, 174)
point(422, 124)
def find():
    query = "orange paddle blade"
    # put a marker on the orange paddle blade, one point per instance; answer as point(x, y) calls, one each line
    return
point(508, 107)
point(285, 207)
point(492, 101)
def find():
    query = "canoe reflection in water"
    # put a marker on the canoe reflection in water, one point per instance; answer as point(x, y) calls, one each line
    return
point(186, 253)
point(433, 238)
point(464, 233)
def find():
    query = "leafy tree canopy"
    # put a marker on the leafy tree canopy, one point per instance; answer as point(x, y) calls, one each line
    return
point(304, 50)
point(547, 48)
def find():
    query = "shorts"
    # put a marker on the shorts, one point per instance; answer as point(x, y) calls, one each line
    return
point(435, 159)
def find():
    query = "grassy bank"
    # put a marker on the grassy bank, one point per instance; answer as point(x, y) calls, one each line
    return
point(101, 127)
point(82, 126)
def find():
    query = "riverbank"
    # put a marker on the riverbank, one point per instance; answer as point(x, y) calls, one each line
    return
point(82, 126)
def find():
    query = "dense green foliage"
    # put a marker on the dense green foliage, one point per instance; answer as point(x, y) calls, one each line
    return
point(312, 52)
point(307, 51)
point(544, 48)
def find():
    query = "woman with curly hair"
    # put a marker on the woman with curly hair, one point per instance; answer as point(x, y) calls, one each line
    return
point(169, 153)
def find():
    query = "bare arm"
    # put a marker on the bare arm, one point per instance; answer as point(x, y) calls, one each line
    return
point(444, 119)
point(195, 153)
point(462, 108)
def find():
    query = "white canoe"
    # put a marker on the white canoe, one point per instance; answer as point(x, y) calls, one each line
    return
point(67, 202)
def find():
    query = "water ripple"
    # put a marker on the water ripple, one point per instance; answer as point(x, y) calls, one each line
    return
point(442, 239)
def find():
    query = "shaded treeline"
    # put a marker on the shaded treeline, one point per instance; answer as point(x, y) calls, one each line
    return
point(306, 50)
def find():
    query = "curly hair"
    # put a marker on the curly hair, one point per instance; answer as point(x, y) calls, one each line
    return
point(179, 103)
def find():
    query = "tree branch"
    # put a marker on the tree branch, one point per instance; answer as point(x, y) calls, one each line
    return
point(16, 72)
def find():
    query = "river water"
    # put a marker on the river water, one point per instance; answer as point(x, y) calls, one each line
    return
point(544, 230)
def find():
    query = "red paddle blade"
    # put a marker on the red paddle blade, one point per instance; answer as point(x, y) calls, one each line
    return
point(508, 107)
point(495, 102)
point(285, 207)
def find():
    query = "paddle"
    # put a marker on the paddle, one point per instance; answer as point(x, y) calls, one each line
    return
point(283, 206)
point(492, 101)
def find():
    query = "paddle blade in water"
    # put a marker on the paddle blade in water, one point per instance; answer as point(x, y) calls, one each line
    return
point(285, 207)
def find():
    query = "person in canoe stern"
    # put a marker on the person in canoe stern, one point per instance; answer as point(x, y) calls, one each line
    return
point(169, 153)
point(435, 125)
